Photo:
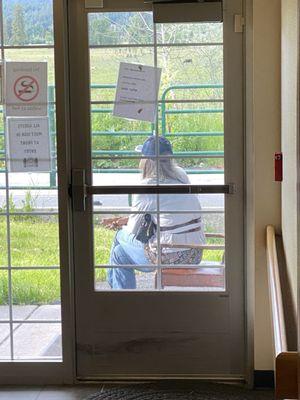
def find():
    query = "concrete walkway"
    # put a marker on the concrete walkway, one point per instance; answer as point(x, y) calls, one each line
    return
point(31, 340)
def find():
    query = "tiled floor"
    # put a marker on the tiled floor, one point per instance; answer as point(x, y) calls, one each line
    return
point(134, 391)
point(48, 393)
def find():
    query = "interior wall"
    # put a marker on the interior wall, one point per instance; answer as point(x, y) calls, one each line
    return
point(266, 125)
point(289, 139)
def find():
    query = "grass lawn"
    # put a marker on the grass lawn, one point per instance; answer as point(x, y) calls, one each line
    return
point(34, 242)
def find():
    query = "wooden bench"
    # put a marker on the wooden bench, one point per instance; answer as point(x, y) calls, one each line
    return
point(207, 275)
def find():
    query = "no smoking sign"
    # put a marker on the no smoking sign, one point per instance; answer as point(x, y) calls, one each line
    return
point(26, 89)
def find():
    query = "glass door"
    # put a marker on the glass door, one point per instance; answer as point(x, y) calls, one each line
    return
point(157, 189)
point(30, 295)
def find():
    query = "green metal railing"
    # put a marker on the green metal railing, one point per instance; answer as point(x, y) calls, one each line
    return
point(164, 111)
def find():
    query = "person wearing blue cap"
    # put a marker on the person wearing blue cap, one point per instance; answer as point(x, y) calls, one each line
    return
point(137, 243)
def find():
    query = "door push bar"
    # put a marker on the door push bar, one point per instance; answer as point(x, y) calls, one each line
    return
point(79, 190)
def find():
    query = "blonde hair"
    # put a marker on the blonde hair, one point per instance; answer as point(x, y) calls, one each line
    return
point(167, 169)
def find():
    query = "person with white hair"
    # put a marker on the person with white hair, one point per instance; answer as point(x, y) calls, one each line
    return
point(174, 231)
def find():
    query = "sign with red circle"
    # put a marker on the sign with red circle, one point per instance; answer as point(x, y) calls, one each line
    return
point(26, 88)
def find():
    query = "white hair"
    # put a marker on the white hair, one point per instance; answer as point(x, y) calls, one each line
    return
point(167, 169)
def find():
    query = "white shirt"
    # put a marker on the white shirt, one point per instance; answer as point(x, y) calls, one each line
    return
point(178, 235)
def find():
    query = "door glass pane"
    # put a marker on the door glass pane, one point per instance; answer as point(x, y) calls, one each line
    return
point(205, 169)
point(142, 278)
point(34, 240)
point(189, 33)
point(34, 194)
point(5, 350)
point(29, 54)
point(27, 23)
point(201, 279)
point(120, 28)
point(104, 63)
point(191, 65)
point(4, 288)
point(3, 240)
point(189, 238)
point(36, 294)
point(192, 244)
point(37, 341)
point(112, 136)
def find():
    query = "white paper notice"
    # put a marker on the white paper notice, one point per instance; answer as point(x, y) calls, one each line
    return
point(26, 87)
point(28, 144)
point(137, 91)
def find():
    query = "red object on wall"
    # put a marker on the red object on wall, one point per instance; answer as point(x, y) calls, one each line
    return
point(278, 167)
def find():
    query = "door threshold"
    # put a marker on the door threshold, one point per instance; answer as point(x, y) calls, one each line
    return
point(125, 379)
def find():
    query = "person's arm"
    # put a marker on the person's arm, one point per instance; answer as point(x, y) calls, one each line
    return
point(115, 222)
point(139, 203)
point(144, 202)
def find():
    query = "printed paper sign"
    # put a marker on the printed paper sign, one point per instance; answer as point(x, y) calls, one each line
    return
point(28, 144)
point(26, 89)
point(137, 91)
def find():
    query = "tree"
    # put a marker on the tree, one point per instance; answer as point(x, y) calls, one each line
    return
point(7, 30)
point(102, 31)
point(19, 36)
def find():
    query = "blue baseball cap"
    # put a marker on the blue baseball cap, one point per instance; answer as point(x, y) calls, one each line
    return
point(149, 146)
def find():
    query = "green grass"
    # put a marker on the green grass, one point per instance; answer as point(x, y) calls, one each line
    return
point(34, 242)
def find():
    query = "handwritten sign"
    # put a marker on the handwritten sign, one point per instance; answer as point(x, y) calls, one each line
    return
point(28, 144)
point(26, 87)
point(137, 91)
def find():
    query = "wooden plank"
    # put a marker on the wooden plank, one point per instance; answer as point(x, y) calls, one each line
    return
point(198, 277)
point(275, 292)
point(286, 376)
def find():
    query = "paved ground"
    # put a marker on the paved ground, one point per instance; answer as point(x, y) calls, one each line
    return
point(31, 340)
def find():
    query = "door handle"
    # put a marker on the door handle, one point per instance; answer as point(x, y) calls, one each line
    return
point(161, 189)
point(80, 190)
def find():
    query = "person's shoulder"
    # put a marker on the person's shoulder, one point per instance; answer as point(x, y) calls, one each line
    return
point(183, 175)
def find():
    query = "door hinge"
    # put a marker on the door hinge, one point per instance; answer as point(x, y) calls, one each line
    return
point(239, 23)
